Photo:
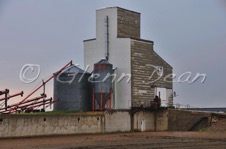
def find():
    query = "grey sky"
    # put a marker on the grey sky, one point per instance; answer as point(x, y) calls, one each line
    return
point(189, 35)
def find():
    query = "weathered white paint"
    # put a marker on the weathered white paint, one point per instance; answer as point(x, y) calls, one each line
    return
point(119, 50)
point(161, 92)
point(165, 95)
point(143, 125)
point(169, 95)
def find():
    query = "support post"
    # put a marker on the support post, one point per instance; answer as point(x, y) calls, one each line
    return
point(44, 89)
point(6, 99)
point(93, 101)
point(101, 98)
point(110, 97)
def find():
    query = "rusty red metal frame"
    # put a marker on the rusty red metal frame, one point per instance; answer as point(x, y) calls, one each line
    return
point(50, 102)
point(28, 105)
point(32, 105)
point(110, 98)
point(101, 99)
point(30, 100)
point(44, 82)
point(93, 100)
point(21, 94)
point(6, 91)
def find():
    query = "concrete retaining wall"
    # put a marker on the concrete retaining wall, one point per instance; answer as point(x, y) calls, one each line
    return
point(162, 118)
point(144, 121)
point(181, 120)
point(97, 122)
point(30, 125)
point(117, 121)
point(151, 121)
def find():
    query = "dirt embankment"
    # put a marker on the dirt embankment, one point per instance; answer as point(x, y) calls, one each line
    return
point(217, 125)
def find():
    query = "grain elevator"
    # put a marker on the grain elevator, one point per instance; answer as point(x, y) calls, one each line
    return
point(138, 73)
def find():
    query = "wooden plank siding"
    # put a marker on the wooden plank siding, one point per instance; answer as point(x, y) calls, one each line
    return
point(143, 58)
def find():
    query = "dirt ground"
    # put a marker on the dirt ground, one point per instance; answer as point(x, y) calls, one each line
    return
point(138, 140)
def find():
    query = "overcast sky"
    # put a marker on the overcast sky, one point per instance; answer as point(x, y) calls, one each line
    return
point(189, 34)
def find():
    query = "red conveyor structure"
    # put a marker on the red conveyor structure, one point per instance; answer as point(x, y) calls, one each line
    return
point(26, 103)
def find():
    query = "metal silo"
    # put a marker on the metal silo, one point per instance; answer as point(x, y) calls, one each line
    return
point(73, 89)
point(102, 83)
